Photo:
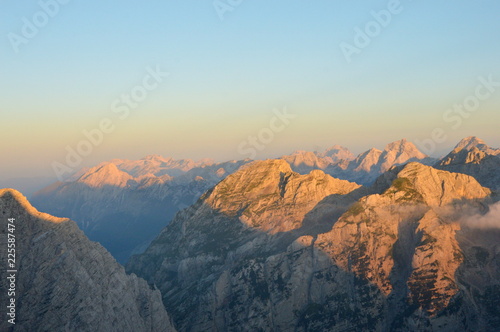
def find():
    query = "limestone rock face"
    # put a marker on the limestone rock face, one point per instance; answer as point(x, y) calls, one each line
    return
point(406, 242)
point(67, 283)
point(438, 188)
point(432, 282)
point(403, 241)
point(253, 214)
point(390, 257)
point(268, 196)
point(474, 157)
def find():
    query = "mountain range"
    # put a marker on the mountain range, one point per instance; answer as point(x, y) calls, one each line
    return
point(272, 250)
point(123, 204)
point(363, 169)
point(396, 242)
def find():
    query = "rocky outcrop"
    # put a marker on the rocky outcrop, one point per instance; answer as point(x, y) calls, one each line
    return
point(474, 157)
point(64, 282)
point(390, 257)
point(268, 196)
point(403, 241)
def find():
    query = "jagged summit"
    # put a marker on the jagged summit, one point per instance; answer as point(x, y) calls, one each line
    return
point(367, 160)
point(473, 142)
point(403, 146)
point(12, 198)
point(399, 152)
point(474, 157)
point(470, 150)
point(337, 153)
point(420, 183)
point(470, 142)
point(268, 195)
point(107, 174)
point(156, 157)
point(305, 161)
point(363, 169)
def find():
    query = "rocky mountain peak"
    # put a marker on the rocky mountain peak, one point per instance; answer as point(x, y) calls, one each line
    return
point(404, 146)
point(107, 174)
point(268, 195)
point(416, 182)
point(367, 160)
point(18, 201)
point(472, 143)
point(470, 150)
point(474, 157)
point(337, 153)
point(305, 161)
point(399, 152)
point(156, 158)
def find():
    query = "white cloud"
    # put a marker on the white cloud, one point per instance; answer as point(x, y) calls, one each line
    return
point(489, 220)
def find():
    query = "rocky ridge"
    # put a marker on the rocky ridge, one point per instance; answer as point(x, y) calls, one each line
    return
point(363, 169)
point(474, 157)
point(390, 257)
point(67, 283)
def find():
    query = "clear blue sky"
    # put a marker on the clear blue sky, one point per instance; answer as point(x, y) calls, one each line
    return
point(227, 76)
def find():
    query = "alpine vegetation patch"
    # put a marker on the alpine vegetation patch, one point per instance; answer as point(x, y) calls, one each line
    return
point(254, 143)
point(121, 106)
point(372, 29)
point(31, 27)
point(455, 115)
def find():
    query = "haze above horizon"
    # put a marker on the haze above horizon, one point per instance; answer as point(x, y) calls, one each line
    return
point(286, 75)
